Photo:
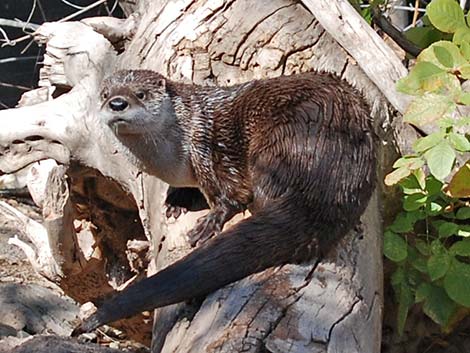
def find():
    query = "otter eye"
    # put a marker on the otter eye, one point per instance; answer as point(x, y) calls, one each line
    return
point(140, 94)
point(104, 95)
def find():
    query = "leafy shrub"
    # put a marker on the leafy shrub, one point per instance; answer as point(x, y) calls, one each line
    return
point(430, 239)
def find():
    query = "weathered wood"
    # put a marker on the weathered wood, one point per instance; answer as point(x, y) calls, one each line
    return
point(33, 309)
point(313, 307)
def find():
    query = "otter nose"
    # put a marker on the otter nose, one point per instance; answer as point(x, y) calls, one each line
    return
point(118, 104)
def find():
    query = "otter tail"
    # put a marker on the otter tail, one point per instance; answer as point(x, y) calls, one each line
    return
point(280, 233)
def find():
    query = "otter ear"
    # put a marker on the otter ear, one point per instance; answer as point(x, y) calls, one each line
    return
point(161, 83)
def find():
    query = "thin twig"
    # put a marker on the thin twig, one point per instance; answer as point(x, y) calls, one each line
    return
point(114, 7)
point(418, 24)
point(5, 35)
point(14, 42)
point(72, 4)
point(18, 24)
point(13, 59)
point(407, 8)
point(75, 14)
point(9, 85)
point(85, 9)
point(385, 25)
point(41, 10)
point(31, 13)
point(27, 47)
point(415, 15)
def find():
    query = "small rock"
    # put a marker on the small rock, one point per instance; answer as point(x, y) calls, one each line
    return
point(7, 330)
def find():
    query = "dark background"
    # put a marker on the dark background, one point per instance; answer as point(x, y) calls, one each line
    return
point(19, 64)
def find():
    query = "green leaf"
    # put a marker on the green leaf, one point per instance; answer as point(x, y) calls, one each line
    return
point(420, 264)
point(437, 304)
point(404, 297)
point(463, 213)
point(420, 177)
point(443, 56)
point(446, 229)
point(428, 109)
point(429, 55)
point(398, 277)
point(440, 160)
point(457, 283)
point(461, 35)
point(463, 71)
point(465, 49)
point(415, 216)
point(411, 185)
point(464, 230)
point(433, 209)
point(424, 143)
point(459, 185)
point(424, 76)
point(414, 201)
point(403, 223)
point(437, 248)
point(405, 300)
point(423, 247)
point(459, 142)
point(433, 186)
point(423, 37)
point(445, 15)
point(461, 248)
point(460, 121)
point(422, 292)
point(397, 175)
point(395, 247)
point(409, 162)
point(367, 15)
point(438, 265)
point(464, 98)
point(426, 21)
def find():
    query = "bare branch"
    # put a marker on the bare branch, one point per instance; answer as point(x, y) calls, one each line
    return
point(343, 22)
point(9, 85)
point(18, 24)
point(18, 58)
point(85, 9)
point(78, 7)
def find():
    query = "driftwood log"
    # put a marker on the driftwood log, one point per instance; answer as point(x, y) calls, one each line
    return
point(102, 214)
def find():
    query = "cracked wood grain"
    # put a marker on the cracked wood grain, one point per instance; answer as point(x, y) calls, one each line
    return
point(312, 307)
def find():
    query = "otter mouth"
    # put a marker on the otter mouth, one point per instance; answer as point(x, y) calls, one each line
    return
point(121, 126)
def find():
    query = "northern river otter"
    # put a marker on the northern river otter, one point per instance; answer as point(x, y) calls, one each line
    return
point(298, 151)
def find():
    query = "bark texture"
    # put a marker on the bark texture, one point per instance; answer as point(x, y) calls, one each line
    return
point(102, 213)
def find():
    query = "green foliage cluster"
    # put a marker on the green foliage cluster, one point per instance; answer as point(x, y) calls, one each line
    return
point(430, 239)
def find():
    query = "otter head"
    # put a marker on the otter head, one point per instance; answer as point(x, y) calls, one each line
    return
point(135, 102)
point(137, 106)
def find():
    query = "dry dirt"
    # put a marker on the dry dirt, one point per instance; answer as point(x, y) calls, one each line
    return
point(28, 294)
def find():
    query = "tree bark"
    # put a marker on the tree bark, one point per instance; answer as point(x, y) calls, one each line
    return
point(103, 204)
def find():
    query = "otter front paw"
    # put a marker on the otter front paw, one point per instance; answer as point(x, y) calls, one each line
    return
point(205, 228)
point(181, 200)
point(174, 211)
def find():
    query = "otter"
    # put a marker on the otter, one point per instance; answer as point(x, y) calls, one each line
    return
point(297, 151)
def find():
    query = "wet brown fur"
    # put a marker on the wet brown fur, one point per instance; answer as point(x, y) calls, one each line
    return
point(297, 150)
